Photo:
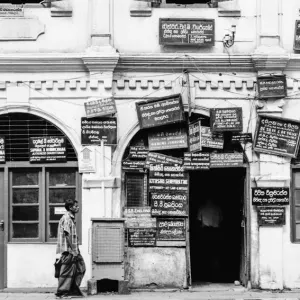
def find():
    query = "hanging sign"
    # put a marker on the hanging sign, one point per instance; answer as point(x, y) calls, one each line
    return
point(168, 178)
point(171, 138)
point(170, 229)
point(138, 153)
point(133, 165)
point(297, 35)
point(137, 212)
point(242, 138)
point(2, 149)
point(196, 161)
point(11, 10)
point(270, 196)
point(156, 113)
point(100, 107)
point(87, 159)
point(271, 86)
point(142, 237)
point(226, 119)
point(267, 215)
point(47, 149)
point(95, 130)
point(192, 32)
point(210, 140)
point(195, 136)
point(226, 160)
point(158, 158)
point(277, 136)
point(168, 204)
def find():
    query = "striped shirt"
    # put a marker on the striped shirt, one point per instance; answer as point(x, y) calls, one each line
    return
point(66, 224)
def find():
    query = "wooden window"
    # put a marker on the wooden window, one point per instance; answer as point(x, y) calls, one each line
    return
point(295, 206)
point(37, 201)
point(136, 189)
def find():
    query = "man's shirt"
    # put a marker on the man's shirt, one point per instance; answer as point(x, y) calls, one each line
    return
point(66, 224)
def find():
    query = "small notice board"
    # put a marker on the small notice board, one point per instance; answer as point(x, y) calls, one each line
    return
point(142, 237)
point(196, 161)
point(277, 136)
point(2, 149)
point(271, 216)
point(169, 229)
point(192, 32)
point(167, 110)
point(226, 119)
point(158, 158)
point(100, 107)
point(297, 35)
point(270, 196)
point(225, 160)
point(271, 86)
point(195, 136)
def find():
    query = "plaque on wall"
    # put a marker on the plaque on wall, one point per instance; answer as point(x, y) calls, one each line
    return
point(297, 35)
point(226, 160)
point(138, 152)
point(271, 86)
point(142, 237)
point(158, 158)
point(167, 110)
point(100, 107)
point(170, 229)
point(95, 130)
point(270, 196)
point(196, 161)
point(277, 136)
point(2, 149)
point(47, 149)
point(226, 119)
point(195, 136)
point(210, 140)
point(267, 215)
point(191, 32)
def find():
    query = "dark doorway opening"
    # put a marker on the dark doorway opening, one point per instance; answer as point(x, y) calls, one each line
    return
point(216, 219)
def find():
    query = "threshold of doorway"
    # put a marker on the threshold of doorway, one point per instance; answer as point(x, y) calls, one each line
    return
point(216, 287)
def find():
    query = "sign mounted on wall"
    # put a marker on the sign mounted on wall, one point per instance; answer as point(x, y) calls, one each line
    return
point(138, 153)
point(2, 149)
point(225, 160)
point(272, 216)
point(170, 229)
point(142, 237)
point(158, 158)
point(271, 86)
point(277, 136)
point(11, 10)
point(243, 137)
point(270, 196)
point(297, 36)
point(167, 110)
point(195, 136)
point(95, 130)
point(100, 107)
point(87, 159)
point(210, 140)
point(192, 32)
point(196, 161)
point(47, 149)
point(226, 119)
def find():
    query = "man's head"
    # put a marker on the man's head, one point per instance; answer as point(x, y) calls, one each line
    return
point(72, 206)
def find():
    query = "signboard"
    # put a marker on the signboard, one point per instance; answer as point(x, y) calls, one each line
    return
point(11, 10)
point(168, 204)
point(271, 86)
point(243, 138)
point(59, 210)
point(2, 149)
point(270, 196)
point(170, 229)
point(210, 140)
point(137, 212)
point(226, 119)
point(87, 159)
point(192, 32)
point(138, 153)
point(141, 237)
point(195, 136)
point(171, 138)
point(277, 136)
point(158, 158)
point(196, 161)
point(267, 215)
point(47, 149)
point(163, 178)
point(100, 107)
point(160, 112)
point(94, 130)
point(133, 165)
point(226, 160)
point(297, 35)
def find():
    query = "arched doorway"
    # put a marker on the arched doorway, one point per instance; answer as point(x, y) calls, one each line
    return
point(214, 254)
point(32, 194)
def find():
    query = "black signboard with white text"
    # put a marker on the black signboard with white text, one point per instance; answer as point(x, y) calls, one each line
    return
point(142, 237)
point(225, 160)
point(167, 110)
point(270, 196)
point(191, 32)
point(2, 149)
point(226, 119)
point(158, 158)
point(169, 229)
point(196, 161)
point(47, 149)
point(133, 165)
point(95, 130)
point(138, 153)
point(272, 216)
point(241, 137)
point(297, 35)
point(277, 136)
point(210, 140)
point(271, 86)
point(195, 136)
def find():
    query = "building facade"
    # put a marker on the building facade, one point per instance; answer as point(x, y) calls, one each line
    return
point(57, 56)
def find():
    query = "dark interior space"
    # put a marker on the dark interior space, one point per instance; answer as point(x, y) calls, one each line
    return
point(107, 286)
point(216, 214)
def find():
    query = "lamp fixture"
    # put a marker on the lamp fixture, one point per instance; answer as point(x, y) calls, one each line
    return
point(228, 39)
point(47, 3)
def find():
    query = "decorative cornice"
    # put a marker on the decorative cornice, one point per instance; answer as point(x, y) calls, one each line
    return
point(101, 62)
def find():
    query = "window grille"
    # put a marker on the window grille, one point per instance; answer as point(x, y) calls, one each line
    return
point(136, 189)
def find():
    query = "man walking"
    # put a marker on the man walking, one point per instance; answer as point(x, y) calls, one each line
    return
point(73, 266)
